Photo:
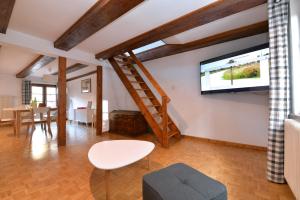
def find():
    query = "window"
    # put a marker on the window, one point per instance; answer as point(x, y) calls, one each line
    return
point(51, 96)
point(148, 47)
point(37, 94)
point(45, 94)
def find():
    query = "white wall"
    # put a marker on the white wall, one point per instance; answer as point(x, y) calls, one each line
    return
point(11, 86)
point(39, 80)
point(295, 47)
point(10, 93)
point(114, 93)
point(240, 117)
point(78, 99)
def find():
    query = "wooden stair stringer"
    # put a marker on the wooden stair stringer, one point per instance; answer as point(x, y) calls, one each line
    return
point(132, 91)
point(154, 100)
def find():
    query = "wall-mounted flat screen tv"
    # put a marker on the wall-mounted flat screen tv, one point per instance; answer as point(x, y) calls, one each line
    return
point(246, 70)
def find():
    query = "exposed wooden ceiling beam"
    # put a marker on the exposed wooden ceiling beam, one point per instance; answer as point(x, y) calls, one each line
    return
point(73, 68)
point(81, 76)
point(101, 14)
point(6, 8)
point(204, 15)
point(234, 34)
point(35, 65)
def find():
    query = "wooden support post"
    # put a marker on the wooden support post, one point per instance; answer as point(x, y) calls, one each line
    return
point(165, 138)
point(62, 98)
point(99, 110)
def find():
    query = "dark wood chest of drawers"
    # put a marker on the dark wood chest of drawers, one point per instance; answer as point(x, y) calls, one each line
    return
point(127, 122)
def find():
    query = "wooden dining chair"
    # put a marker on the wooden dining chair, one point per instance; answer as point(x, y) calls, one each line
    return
point(26, 119)
point(7, 121)
point(53, 115)
point(39, 115)
point(43, 125)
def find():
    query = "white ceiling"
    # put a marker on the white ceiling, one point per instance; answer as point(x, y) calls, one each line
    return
point(238, 20)
point(144, 17)
point(52, 67)
point(14, 59)
point(83, 71)
point(48, 19)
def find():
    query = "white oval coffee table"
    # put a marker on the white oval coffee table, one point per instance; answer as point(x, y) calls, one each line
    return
point(114, 154)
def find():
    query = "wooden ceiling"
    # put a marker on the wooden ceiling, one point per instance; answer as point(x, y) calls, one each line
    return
point(35, 65)
point(204, 15)
point(83, 75)
point(105, 12)
point(98, 16)
point(101, 14)
point(6, 8)
point(171, 49)
point(73, 68)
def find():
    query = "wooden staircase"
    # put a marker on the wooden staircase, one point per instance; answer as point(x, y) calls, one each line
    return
point(154, 111)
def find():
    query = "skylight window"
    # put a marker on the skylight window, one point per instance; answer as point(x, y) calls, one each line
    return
point(149, 46)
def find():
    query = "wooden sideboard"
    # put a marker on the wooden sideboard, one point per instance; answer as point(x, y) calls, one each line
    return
point(127, 122)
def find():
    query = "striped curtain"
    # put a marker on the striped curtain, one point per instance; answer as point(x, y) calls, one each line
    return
point(279, 87)
point(26, 92)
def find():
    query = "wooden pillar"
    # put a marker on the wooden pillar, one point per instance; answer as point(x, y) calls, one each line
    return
point(62, 98)
point(99, 110)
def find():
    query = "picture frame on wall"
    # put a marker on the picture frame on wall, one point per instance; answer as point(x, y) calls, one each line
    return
point(86, 86)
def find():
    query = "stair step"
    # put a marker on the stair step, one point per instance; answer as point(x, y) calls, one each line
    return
point(130, 74)
point(122, 57)
point(125, 63)
point(137, 82)
point(141, 89)
point(149, 106)
point(169, 123)
point(172, 133)
point(147, 97)
point(157, 115)
point(126, 68)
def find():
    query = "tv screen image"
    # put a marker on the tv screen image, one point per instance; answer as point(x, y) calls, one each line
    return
point(240, 71)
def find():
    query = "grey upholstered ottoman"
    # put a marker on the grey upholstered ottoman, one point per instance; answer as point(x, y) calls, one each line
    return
point(181, 182)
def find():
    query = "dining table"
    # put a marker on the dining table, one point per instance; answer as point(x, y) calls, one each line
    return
point(17, 116)
point(17, 111)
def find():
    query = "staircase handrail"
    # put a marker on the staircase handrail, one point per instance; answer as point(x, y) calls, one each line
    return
point(149, 77)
